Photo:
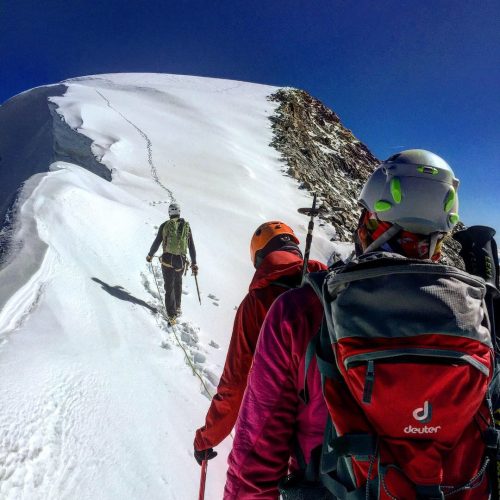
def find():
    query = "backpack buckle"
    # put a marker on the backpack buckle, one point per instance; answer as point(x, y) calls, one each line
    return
point(429, 492)
point(492, 440)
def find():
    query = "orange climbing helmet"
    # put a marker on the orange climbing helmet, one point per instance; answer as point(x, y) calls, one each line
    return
point(266, 232)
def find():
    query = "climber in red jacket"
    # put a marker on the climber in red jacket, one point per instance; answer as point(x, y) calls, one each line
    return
point(278, 261)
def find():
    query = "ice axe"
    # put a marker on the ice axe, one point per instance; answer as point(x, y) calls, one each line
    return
point(203, 479)
point(197, 287)
point(186, 267)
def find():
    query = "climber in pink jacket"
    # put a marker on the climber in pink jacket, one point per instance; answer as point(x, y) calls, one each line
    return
point(274, 422)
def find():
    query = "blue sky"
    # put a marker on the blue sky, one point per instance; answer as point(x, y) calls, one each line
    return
point(399, 73)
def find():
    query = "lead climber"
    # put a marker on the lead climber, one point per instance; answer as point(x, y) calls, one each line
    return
point(176, 236)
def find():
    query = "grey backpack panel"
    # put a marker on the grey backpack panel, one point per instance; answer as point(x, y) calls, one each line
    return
point(406, 299)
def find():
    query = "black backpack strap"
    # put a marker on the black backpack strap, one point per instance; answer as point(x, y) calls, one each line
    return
point(299, 454)
point(289, 281)
point(342, 493)
point(180, 227)
point(319, 346)
point(315, 281)
point(310, 353)
point(334, 470)
point(336, 474)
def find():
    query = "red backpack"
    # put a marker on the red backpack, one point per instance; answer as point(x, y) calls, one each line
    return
point(406, 355)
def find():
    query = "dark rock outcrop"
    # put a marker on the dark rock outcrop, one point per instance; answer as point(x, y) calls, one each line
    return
point(322, 155)
point(326, 158)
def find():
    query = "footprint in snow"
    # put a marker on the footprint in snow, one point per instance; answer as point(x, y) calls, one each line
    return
point(214, 299)
point(199, 358)
point(165, 345)
point(211, 377)
point(189, 337)
point(186, 335)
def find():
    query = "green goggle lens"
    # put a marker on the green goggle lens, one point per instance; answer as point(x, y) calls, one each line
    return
point(397, 193)
point(450, 200)
point(382, 206)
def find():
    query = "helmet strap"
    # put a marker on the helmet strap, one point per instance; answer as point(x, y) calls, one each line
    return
point(433, 241)
point(383, 238)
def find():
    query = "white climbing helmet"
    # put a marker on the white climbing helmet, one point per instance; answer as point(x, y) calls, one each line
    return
point(174, 210)
point(415, 190)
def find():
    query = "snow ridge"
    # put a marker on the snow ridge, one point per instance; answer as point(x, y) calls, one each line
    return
point(98, 394)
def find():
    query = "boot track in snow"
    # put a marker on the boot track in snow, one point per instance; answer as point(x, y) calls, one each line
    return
point(185, 335)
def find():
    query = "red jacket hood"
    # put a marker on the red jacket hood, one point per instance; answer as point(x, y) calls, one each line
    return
point(278, 264)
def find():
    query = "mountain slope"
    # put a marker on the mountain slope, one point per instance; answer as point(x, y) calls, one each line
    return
point(93, 407)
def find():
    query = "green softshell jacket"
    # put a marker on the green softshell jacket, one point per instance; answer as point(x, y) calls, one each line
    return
point(159, 240)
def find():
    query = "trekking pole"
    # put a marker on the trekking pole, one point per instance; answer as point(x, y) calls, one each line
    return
point(480, 254)
point(203, 479)
point(312, 212)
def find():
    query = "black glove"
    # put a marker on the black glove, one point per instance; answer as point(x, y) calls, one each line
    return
point(149, 258)
point(194, 269)
point(204, 455)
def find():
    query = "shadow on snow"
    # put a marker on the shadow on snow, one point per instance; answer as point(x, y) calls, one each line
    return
point(122, 294)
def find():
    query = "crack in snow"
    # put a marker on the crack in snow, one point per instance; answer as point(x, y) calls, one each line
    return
point(149, 147)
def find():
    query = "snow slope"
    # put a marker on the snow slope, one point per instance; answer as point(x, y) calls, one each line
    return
point(98, 401)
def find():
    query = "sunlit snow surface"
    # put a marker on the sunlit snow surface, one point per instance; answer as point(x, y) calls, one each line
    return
point(97, 400)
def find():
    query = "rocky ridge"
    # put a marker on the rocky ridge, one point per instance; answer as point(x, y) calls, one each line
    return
point(326, 158)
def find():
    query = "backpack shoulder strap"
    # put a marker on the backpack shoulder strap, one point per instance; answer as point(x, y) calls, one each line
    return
point(288, 282)
point(166, 226)
point(324, 459)
point(316, 281)
point(319, 346)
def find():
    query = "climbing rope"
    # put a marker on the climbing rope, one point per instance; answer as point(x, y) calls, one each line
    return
point(179, 343)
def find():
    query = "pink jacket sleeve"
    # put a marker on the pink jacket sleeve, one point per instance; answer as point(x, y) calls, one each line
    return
point(272, 411)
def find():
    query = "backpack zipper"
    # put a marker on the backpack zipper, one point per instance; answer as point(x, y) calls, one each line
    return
point(370, 357)
point(369, 381)
point(424, 353)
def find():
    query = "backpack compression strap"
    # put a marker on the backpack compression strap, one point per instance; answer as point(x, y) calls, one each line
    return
point(319, 345)
point(334, 447)
point(338, 449)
